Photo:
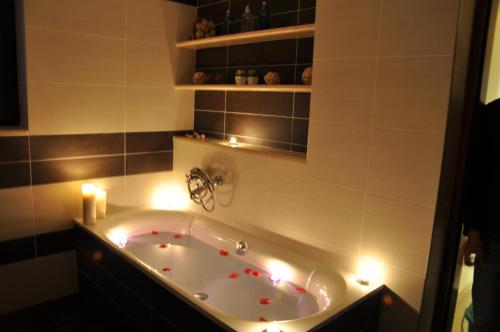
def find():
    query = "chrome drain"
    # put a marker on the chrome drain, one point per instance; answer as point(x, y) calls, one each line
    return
point(201, 296)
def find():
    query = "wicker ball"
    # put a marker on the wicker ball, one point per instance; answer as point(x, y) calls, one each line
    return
point(307, 76)
point(199, 77)
point(199, 34)
point(272, 78)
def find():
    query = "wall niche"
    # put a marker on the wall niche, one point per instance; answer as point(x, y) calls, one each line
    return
point(275, 116)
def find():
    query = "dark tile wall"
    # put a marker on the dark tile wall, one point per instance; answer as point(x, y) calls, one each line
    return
point(277, 120)
point(283, 12)
point(132, 298)
point(48, 159)
point(39, 245)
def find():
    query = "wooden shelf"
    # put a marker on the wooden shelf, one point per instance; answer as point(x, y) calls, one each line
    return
point(250, 37)
point(234, 87)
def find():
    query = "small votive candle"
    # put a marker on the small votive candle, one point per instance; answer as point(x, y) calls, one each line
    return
point(233, 141)
point(89, 203)
point(101, 197)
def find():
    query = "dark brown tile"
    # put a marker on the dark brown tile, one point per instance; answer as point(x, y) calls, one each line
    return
point(64, 146)
point(186, 2)
point(211, 57)
point(307, 4)
point(210, 100)
point(302, 105)
point(14, 149)
point(14, 175)
point(307, 16)
point(274, 6)
point(284, 20)
point(206, 2)
point(300, 130)
point(287, 73)
point(76, 169)
point(305, 50)
point(149, 141)
point(54, 242)
point(17, 250)
point(215, 12)
point(149, 162)
point(299, 148)
point(209, 121)
point(265, 53)
point(269, 103)
point(263, 127)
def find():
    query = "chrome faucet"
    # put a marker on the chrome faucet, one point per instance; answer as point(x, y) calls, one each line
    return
point(202, 188)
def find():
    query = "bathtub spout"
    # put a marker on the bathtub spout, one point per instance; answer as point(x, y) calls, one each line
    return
point(241, 247)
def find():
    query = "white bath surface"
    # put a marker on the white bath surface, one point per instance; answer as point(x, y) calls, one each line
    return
point(232, 285)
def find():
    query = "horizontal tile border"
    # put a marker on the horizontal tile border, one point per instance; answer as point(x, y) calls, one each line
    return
point(45, 159)
point(12, 251)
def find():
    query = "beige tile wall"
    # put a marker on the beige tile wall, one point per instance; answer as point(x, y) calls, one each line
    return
point(379, 104)
point(93, 66)
point(107, 66)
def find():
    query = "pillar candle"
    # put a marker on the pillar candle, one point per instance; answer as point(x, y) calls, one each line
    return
point(101, 196)
point(89, 203)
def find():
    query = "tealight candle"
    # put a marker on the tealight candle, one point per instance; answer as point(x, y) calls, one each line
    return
point(233, 141)
point(89, 203)
point(101, 197)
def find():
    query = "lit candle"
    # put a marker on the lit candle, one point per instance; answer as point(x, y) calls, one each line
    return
point(274, 327)
point(89, 203)
point(101, 203)
point(233, 141)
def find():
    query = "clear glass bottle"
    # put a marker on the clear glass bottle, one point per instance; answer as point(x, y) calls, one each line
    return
point(227, 27)
point(264, 17)
point(247, 20)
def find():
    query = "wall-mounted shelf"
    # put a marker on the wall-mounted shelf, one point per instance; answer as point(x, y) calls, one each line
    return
point(298, 31)
point(233, 87)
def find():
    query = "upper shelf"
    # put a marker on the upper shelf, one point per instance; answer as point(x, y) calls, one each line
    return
point(298, 31)
point(234, 87)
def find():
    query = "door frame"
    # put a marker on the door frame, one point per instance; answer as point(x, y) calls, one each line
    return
point(441, 283)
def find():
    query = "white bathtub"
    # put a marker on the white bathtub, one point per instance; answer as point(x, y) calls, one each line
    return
point(197, 257)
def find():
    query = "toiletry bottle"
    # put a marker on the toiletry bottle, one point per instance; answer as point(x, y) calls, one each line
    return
point(247, 20)
point(264, 18)
point(227, 27)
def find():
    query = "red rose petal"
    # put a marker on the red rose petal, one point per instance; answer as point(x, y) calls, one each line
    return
point(222, 252)
point(262, 319)
point(166, 269)
point(177, 236)
point(256, 273)
point(162, 246)
point(248, 270)
point(233, 275)
point(300, 290)
point(265, 300)
point(155, 233)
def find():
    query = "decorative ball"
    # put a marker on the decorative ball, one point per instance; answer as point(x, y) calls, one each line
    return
point(307, 76)
point(272, 78)
point(211, 33)
point(199, 34)
point(198, 26)
point(199, 77)
point(211, 25)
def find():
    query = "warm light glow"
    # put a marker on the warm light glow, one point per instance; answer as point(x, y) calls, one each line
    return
point(88, 189)
point(101, 197)
point(233, 141)
point(274, 327)
point(170, 197)
point(118, 237)
point(279, 271)
point(369, 270)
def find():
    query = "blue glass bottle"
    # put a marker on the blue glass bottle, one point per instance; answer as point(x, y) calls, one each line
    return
point(264, 17)
point(227, 27)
